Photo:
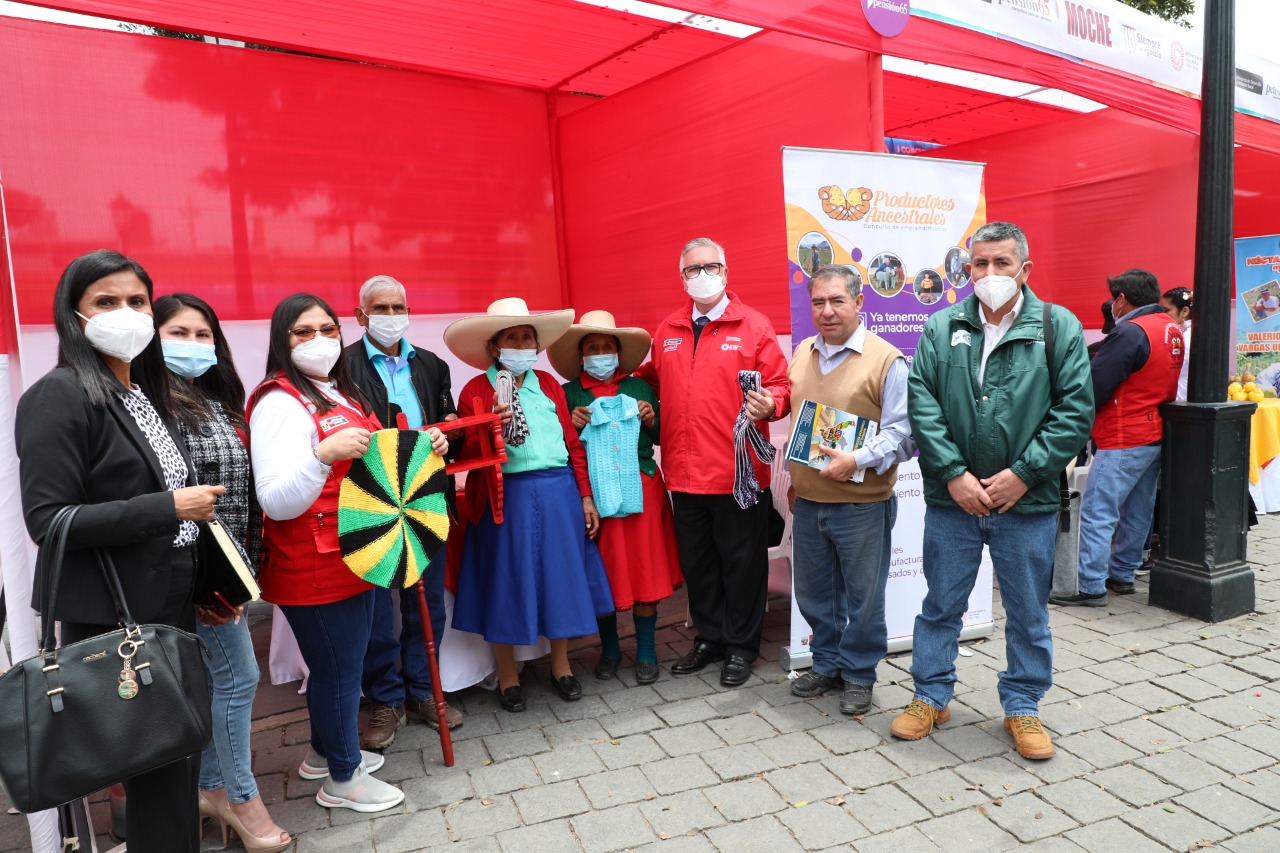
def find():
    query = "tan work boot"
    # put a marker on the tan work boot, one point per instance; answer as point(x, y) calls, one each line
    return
point(918, 720)
point(425, 712)
point(1029, 737)
point(384, 721)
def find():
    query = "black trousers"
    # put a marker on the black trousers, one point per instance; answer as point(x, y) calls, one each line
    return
point(162, 814)
point(724, 552)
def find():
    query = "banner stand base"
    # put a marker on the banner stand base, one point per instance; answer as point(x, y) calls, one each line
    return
point(801, 658)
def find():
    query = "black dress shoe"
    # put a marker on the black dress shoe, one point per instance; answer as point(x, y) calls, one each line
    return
point(607, 668)
point(512, 699)
point(1120, 587)
point(856, 698)
point(736, 671)
point(568, 687)
point(646, 672)
point(696, 660)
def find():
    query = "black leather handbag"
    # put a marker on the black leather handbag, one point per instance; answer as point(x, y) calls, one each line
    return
point(75, 719)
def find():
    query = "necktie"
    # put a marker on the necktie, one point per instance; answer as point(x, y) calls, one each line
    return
point(698, 325)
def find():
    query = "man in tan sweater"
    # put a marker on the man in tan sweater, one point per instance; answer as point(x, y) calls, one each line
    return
point(844, 513)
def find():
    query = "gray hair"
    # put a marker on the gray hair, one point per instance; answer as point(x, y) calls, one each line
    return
point(852, 281)
point(997, 232)
point(698, 242)
point(380, 282)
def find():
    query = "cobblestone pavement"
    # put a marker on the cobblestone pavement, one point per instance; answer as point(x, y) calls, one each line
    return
point(1165, 727)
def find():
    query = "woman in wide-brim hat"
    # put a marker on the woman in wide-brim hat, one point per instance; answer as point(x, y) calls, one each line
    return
point(538, 574)
point(639, 548)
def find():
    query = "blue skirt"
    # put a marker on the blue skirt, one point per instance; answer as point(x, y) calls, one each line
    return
point(537, 573)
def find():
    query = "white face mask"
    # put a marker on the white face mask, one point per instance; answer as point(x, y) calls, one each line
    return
point(601, 367)
point(995, 290)
point(517, 360)
point(388, 329)
point(122, 333)
point(704, 287)
point(317, 356)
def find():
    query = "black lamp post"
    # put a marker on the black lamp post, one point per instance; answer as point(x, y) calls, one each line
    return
point(1201, 569)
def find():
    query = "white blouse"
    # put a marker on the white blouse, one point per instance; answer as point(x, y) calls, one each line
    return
point(288, 475)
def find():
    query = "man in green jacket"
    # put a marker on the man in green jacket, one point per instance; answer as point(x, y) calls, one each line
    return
point(994, 431)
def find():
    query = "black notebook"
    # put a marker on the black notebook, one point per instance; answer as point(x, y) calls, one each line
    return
point(227, 581)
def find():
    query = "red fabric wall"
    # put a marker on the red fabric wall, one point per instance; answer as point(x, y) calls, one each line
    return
point(696, 153)
point(245, 175)
point(1096, 195)
point(1103, 192)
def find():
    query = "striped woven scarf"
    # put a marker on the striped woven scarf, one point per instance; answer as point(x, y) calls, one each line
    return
point(745, 487)
point(516, 430)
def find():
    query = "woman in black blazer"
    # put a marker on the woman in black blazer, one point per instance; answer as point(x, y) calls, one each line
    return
point(97, 432)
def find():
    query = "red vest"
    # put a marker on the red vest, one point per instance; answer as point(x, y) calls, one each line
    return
point(1131, 418)
point(301, 562)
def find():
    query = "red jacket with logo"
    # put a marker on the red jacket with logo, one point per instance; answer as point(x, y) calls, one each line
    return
point(301, 561)
point(701, 397)
point(1129, 415)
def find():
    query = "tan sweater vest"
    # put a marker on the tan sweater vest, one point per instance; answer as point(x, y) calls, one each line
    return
point(855, 386)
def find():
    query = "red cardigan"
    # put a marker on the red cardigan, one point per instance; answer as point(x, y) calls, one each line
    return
point(481, 389)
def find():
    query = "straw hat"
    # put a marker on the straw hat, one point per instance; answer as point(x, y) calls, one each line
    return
point(567, 361)
point(466, 338)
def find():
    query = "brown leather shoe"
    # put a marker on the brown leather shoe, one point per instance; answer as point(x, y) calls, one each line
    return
point(918, 720)
point(1029, 737)
point(380, 731)
point(425, 712)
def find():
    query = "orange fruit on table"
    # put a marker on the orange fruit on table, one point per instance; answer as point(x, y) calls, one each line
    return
point(1250, 385)
point(1255, 396)
point(1239, 396)
point(1235, 388)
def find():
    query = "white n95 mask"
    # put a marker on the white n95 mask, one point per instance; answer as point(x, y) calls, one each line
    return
point(122, 333)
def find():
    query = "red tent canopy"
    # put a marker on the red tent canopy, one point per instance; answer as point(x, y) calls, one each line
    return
point(549, 148)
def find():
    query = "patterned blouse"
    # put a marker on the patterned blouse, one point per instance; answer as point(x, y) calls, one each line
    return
point(171, 461)
point(220, 459)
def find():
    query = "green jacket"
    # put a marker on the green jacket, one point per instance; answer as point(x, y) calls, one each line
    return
point(1010, 420)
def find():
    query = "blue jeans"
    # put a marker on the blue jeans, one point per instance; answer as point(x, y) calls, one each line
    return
point(233, 679)
point(1022, 553)
point(396, 672)
point(841, 553)
point(1115, 515)
point(333, 638)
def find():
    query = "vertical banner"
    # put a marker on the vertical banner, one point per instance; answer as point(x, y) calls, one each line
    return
point(1258, 310)
point(902, 224)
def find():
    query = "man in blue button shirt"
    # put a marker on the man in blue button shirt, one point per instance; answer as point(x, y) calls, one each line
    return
point(412, 384)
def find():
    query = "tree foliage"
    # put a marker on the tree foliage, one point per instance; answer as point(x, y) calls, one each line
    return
point(1171, 10)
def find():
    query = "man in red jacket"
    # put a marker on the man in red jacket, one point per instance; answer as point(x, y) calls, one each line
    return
point(697, 355)
point(1134, 371)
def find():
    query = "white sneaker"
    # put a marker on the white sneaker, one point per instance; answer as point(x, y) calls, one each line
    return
point(316, 766)
point(362, 793)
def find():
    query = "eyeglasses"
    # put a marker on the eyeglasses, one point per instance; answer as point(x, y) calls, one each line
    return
point(305, 333)
point(690, 273)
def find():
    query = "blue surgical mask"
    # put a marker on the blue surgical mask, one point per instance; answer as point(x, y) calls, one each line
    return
point(188, 359)
point(517, 360)
point(601, 366)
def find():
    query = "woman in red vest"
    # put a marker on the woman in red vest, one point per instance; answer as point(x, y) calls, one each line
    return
point(308, 421)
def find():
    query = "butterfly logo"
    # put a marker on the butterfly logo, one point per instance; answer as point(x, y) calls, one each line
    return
point(851, 205)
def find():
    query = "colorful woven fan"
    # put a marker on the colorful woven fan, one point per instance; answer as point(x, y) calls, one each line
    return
point(392, 517)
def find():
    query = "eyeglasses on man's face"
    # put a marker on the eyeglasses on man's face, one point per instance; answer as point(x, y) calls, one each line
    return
point(306, 333)
point(690, 273)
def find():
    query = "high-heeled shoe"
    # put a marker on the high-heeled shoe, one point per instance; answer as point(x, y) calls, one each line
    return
point(254, 843)
point(208, 813)
point(207, 807)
